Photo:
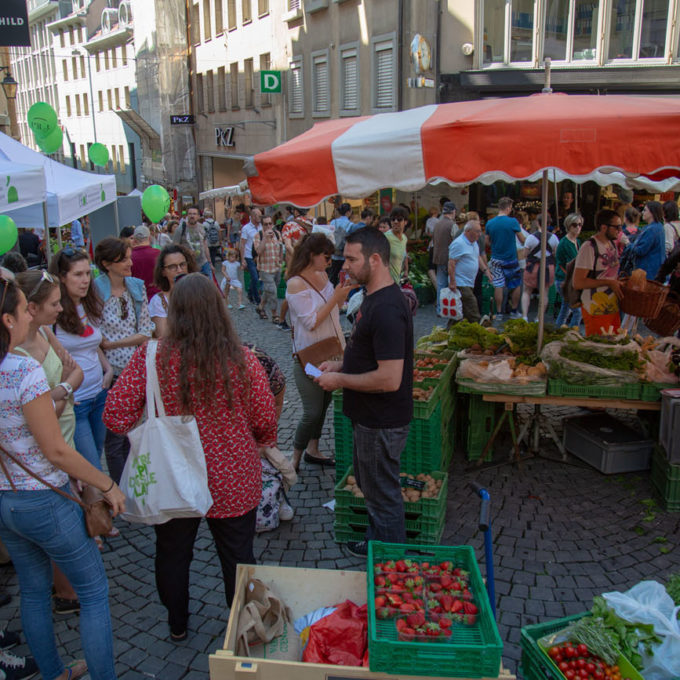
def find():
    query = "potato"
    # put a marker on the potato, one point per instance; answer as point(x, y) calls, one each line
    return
point(351, 479)
point(358, 493)
point(349, 487)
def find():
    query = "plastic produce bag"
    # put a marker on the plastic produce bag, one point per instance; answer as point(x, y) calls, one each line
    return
point(451, 304)
point(341, 638)
point(648, 602)
point(576, 372)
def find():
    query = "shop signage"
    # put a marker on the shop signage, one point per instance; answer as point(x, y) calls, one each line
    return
point(270, 81)
point(224, 136)
point(14, 23)
point(185, 119)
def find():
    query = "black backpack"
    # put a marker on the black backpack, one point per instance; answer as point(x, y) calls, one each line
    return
point(212, 233)
point(569, 293)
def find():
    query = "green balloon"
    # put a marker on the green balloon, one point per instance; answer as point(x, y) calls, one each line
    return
point(42, 119)
point(8, 234)
point(98, 154)
point(52, 142)
point(155, 202)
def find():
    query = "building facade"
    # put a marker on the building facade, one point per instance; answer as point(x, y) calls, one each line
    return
point(115, 71)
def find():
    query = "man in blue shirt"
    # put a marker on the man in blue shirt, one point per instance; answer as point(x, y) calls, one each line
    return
point(464, 263)
point(77, 234)
point(501, 232)
point(342, 226)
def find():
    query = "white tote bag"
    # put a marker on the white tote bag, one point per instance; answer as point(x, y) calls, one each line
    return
point(451, 304)
point(165, 475)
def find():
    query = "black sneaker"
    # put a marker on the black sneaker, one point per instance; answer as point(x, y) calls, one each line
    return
point(8, 639)
point(283, 326)
point(358, 548)
point(17, 667)
point(62, 605)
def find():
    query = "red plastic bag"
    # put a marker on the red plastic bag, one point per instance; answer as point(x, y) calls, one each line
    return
point(341, 638)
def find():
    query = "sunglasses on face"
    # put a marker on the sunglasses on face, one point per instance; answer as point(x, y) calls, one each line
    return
point(175, 267)
point(45, 276)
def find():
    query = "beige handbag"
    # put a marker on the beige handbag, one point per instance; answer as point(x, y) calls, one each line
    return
point(262, 618)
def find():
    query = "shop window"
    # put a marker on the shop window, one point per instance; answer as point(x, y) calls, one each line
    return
point(321, 101)
point(571, 30)
point(296, 94)
point(638, 29)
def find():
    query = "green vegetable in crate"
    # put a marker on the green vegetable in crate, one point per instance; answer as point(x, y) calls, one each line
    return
point(622, 361)
point(466, 335)
point(673, 587)
point(522, 336)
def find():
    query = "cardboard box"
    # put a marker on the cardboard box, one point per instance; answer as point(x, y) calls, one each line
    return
point(303, 590)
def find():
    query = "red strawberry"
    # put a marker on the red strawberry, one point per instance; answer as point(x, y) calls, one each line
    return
point(416, 619)
point(467, 595)
point(446, 602)
point(406, 634)
point(435, 587)
point(456, 586)
point(401, 624)
point(457, 606)
point(400, 565)
point(406, 607)
point(470, 619)
point(445, 581)
point(470, 608)
point(444, 622)
point(379, 601)
point(379, 581)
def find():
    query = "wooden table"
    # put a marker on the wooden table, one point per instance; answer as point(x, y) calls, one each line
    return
point(533, 425)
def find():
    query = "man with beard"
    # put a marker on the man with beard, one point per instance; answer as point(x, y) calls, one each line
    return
point(595, 273)
point(376, 376)
point(192, 235)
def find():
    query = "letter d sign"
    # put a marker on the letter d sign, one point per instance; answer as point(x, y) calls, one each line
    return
point(270, 81)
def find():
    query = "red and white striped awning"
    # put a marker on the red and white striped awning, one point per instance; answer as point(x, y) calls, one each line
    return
point(610, 139)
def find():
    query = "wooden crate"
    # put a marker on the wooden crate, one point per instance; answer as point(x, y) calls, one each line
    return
point(303, 590)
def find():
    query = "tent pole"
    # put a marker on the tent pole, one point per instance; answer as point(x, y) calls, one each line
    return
point(541, 272)
point(115, 216)
point(48, 244)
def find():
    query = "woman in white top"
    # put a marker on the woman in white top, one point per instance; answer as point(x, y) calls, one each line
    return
point(173, 260)
point(314, 311)
point(77, 329)
point(37, 524)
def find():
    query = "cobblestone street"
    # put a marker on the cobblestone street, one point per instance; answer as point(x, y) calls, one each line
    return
point(562, 533)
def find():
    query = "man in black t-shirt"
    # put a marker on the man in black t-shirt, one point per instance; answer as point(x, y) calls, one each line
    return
point(376, 375)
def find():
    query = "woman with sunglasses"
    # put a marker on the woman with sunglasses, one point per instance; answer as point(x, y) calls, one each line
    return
point(64, 376)
point(567, 250)
point(314, 311)
point(173, 261)
point(77, 329)
point(37, 524)
point(125, 324)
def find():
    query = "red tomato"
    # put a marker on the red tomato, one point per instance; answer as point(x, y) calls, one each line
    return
point(553, 652)
point(590, 667)
point(564, 666)
point(569, 675)
point(580, 663)
point(582, 650)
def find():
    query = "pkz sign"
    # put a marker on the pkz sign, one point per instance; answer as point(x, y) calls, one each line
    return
point(224, 136)
point(14, 23)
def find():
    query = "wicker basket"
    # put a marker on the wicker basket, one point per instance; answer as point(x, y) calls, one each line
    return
point(645, 304)
point(668, 320)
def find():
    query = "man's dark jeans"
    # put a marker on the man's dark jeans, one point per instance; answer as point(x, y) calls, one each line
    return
point(254, 291)
point(376, 467)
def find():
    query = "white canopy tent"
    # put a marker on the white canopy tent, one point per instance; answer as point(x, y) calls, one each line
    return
point(67, 193)
point(21, 187)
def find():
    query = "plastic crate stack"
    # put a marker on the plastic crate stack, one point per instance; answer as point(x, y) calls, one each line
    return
point(429, 449)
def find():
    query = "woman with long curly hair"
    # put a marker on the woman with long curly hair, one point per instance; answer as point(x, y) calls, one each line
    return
point(204, 371)
point(77, 329)
point(314, 311)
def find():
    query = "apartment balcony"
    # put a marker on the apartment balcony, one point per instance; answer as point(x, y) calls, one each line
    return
point(37, 9)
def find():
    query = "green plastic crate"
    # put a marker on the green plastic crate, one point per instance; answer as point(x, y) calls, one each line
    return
point(353, 528)
point(559, 388)
point(425, 508)
point(482, 419)
point(652, 391)
point(471, 651)
point(666, 479)
point(537, 665)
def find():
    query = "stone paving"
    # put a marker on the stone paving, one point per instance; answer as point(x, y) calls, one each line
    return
point(562, 533)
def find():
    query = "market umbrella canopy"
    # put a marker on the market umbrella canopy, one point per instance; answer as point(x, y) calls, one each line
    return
point(584, 137)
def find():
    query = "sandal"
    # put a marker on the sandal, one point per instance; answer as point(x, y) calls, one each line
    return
point(262, 314)
point(76, 669)
point(318, 460)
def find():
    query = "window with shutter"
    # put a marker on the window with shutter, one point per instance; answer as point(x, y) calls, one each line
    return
point(231, 14)
point(295, 90)
point(294, 5)
point(349, 80)
point(246, 9)
point(210, 90)
point(321, 104)
point(233, 84)
point(221, 89)
point(383, 74)
point(265, 65)
point(248, 77)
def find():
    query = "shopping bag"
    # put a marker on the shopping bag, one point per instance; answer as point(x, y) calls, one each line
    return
point(451, 304)
point(165, 475)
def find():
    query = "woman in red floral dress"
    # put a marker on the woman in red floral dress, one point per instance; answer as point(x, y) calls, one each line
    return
point(204, 371)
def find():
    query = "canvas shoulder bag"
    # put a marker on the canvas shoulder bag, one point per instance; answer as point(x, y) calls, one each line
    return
point(96, 510)
point(165, 475)
point(328, 349)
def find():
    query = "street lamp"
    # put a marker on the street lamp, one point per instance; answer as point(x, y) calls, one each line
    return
point(9, 85)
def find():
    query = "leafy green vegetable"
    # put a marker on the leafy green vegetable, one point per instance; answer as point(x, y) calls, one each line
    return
point(673, 587)
point(593, 633)
point(522, 336)
point(465, 334)
point(621, 361)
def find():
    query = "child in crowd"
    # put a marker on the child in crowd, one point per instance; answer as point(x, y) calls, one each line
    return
point(231, 280)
